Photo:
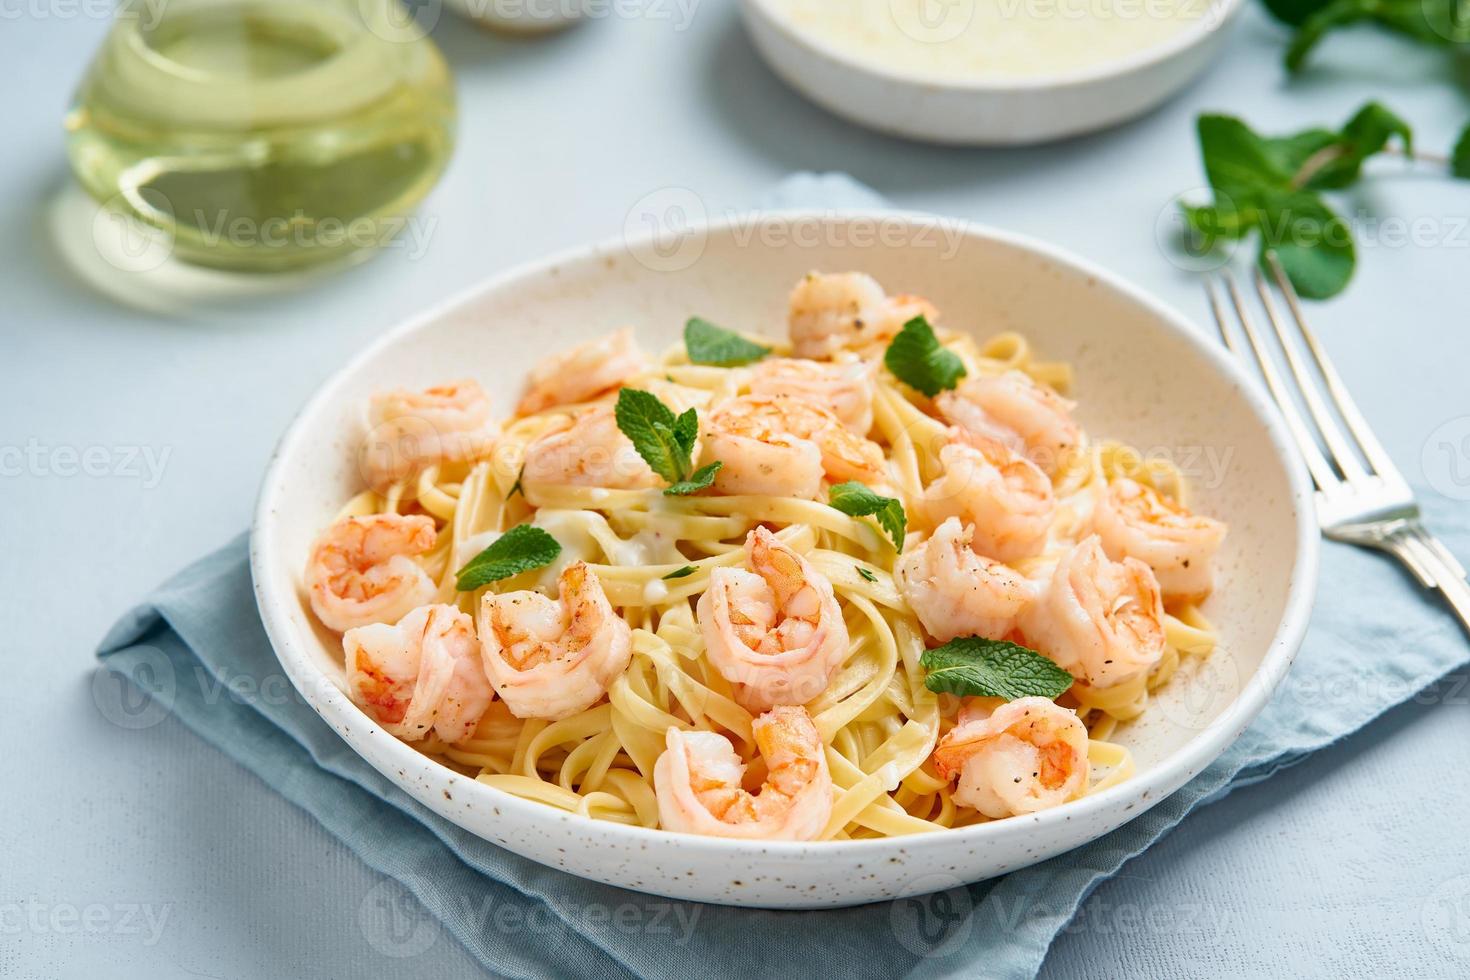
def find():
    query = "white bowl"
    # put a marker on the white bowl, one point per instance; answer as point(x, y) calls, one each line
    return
point(988, 112)
point(1143, 375)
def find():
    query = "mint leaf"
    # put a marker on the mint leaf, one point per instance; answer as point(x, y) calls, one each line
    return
point(659, 438)
point(686, 430)
point(1238, 162)
point(1460, 158)
point(916, 358)
point(1314, 245)
point(684, 572)
point(1433, 22)
point(709, 344)
point(698, 480)
point(1367, 133)
point(1294, 12)
point(521, 549)
point(856, 500)
point(867, 574)
point(665, 442)
point(1327, 17)
point(973, 666)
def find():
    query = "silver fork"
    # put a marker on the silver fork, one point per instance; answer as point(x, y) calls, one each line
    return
point(1361, 497)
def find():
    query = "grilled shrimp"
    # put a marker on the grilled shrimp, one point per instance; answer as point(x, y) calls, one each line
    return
point(1029, 755)
point(578, 374)
point(844, 386)
point(590, 451)
point(847, 311)
point(549, 659)
point(1003, 495)
point(411, 430)
point(1101, 620)
point(1136, 521)
point(782, 444)
point(956, 592)
point(361, 572)
point(776, 632)
point(424, 673)
point(698, 780)
point(1029, 417)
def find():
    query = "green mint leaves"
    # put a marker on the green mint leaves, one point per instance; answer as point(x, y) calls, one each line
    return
point(856, 500)
point(662, 440)
point(1269, 185)
point(521, 549)
point(709, 344)
point(699, 480)
point(1460, 158)
point(1441, 23)
point(665, 441)
point(916, 358)
point(984, 668)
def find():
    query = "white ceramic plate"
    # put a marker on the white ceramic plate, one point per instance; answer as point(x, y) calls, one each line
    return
point(1143, 375)
point(993, 112)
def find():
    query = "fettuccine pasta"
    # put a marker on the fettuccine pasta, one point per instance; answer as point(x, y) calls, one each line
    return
point(747, 658)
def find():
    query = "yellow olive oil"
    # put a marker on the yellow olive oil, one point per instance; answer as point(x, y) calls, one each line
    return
point(264, 135)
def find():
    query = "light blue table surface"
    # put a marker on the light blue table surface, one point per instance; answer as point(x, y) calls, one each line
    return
point(147, 854)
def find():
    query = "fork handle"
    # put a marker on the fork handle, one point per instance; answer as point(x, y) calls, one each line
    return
point(1427, 558)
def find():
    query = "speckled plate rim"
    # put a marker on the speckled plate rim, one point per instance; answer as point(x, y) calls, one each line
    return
point(1218, 17)
point(412, 770)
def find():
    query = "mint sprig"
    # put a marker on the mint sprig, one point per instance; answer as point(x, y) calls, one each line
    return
point(1439, 23)
point(664, 440)
point(916, 358)
point(974, 666)
point(856, 500)
point(1269, 185)
point(707, 343)
point(521, 549)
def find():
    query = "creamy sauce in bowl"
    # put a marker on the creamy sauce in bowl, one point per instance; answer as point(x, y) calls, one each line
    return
point(991, 40)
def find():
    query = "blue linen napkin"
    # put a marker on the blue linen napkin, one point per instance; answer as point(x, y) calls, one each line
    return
point(197, 647)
